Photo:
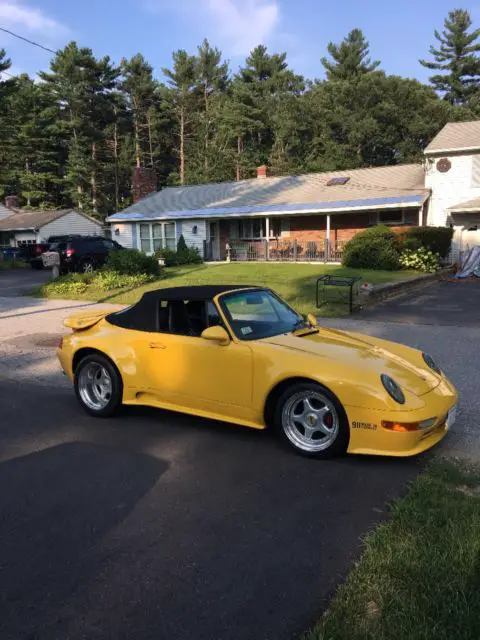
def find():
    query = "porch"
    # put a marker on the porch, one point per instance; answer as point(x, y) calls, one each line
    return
point(297, 238)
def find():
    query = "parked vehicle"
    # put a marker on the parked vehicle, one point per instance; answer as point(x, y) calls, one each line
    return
point(12, 253)
point(83, 253)
point(241, 354)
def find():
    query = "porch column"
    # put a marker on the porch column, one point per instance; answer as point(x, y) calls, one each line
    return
point(327, 240)
point(420, 217)
point(267, 233)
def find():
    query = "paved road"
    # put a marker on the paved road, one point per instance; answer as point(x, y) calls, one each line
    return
point(157, 525)
point(453, 303)
point(17, 282)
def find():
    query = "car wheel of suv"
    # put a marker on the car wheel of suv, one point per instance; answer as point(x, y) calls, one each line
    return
point(87, 266)
point(98, 386)
point(310, 419)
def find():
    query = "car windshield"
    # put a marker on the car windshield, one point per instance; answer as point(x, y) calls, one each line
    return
point(259, 314)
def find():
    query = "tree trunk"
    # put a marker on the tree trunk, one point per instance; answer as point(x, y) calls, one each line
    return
point(27, 170)
point(80, 193)
point(239, 153)
point(137, 136)
point(150, 143)
point(94, 178)
point(206, 128)
point(115, 159)
point(182, 146)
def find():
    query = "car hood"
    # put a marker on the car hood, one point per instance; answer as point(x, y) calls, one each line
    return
point(366, 354)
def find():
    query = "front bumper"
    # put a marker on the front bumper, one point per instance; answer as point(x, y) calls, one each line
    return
point(367, 436)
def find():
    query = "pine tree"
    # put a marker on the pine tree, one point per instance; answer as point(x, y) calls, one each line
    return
point(350, 57)
point(182, 80)
point(212, 78)
point(457, 58)
point(82, 88)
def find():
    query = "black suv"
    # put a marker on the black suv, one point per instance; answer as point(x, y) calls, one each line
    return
point(83, 253)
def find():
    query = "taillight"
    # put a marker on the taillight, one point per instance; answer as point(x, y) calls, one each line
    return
point(38, 250)
point(70, 252)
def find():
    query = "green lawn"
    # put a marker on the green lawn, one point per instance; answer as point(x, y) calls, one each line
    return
point(419, 577)
point(294, 282)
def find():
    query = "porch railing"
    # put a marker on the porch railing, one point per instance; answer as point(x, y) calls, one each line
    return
point(286, 250)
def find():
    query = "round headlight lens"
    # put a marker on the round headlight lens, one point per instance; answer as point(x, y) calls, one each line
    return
point(393, 389)
point(430, 362)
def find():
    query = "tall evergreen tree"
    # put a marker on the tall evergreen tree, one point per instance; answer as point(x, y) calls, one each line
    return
point(212, 78)
point(457, 57)
point(182, 80)
point(350, 57)
point(82, 88)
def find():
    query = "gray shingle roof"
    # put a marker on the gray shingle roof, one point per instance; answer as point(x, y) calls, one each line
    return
point(456, 136)
point(30, 219)
point(469, 206)
point(376, 184)
point(5, 212)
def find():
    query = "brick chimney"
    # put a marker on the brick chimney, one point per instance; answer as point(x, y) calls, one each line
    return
point(144, 182)
point(262, 172)
point(12, 202)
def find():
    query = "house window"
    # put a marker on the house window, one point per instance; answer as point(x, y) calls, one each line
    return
point(159, 235)
point(145, 238)
point(390, 217)
point(275, 227)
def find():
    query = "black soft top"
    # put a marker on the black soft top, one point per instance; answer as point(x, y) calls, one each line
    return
point(143, 316)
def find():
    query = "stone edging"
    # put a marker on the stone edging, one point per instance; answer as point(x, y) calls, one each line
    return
point(383, 291)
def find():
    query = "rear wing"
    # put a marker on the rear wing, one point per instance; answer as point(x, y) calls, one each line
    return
point(85, 319)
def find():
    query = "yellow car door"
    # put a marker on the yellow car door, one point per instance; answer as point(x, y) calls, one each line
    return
point(192, 373)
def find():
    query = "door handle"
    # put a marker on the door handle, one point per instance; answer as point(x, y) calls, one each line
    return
point(156, 345)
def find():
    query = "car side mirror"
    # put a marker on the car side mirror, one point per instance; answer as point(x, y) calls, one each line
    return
point(216, 334)
point(312, 320)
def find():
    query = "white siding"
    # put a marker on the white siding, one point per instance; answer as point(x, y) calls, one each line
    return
point(25, 236)
point(73, 223)
point(123, 234)
point(186, 228)
point(450, 188)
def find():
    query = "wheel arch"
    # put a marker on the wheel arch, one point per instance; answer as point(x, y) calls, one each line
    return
point(83, 352)
point(277, 390)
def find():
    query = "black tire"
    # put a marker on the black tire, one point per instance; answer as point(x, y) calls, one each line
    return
point(87, 265)
point(114, 401)
point(340, 429)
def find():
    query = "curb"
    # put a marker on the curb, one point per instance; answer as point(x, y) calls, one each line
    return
point(382, 292)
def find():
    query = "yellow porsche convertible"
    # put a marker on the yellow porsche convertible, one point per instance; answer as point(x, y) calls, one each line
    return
point(243, 355)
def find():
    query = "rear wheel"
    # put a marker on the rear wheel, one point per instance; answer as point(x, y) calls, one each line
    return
point(87, 265)
point(311, 420)
point(98, 386)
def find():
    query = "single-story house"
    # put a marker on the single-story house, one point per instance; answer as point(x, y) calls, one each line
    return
point(311, 217)
point(19, 228)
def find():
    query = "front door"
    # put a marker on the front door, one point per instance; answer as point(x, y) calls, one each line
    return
point(214, 237)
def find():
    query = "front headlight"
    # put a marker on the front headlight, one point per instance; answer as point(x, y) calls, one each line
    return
point(393, 389)
point(430, 362)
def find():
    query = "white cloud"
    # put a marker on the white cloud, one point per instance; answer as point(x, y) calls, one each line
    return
point(244, 23)
point(32, 19)
point(236, 25)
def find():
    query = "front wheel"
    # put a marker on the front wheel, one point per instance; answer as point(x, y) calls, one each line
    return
point(311, 420)
point(98, 386)
point(87, 266)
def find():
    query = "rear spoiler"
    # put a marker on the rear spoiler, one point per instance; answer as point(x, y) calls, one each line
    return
point(85, 319)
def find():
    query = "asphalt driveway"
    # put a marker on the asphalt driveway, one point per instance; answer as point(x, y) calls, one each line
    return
point(17, 282)
point(453, 303)
point(157, 525)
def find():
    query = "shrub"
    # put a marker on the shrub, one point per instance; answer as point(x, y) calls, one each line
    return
point(70, 285)
point(375, 248)
point(169, 257)
point(420, 259)
point(434, 239)
point(131, 262)
point(187, 255)
point(182, 250)
point(108, 280)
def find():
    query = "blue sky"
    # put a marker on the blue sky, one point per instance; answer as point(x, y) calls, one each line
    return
point(399, 32)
